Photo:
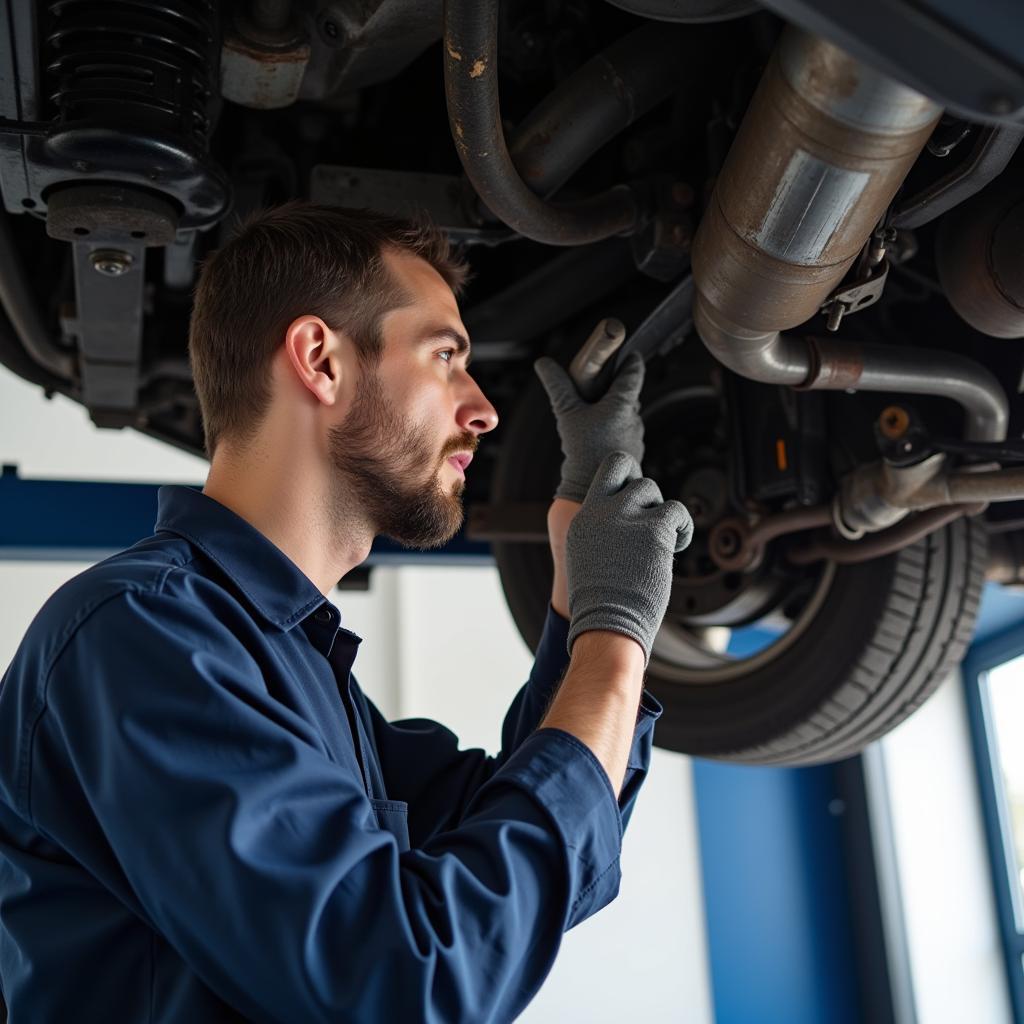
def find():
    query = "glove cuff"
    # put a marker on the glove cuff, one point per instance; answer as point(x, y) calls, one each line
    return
point(571, 492)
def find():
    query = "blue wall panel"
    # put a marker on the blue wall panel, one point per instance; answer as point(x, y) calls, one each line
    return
point(780, 937)
point(780, 933)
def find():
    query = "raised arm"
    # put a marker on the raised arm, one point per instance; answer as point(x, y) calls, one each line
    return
point(619, 555)
point(604, 672)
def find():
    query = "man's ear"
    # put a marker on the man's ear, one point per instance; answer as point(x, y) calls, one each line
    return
point(314, 353)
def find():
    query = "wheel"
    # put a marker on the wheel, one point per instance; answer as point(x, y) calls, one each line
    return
point(784, 665)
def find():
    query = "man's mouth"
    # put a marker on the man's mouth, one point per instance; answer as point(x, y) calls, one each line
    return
point(460, 461)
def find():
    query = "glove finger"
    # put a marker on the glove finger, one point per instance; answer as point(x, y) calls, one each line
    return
point(678, 517)
point(629, 380)
point(642, 494)
point(617, 469)
point(557, 383)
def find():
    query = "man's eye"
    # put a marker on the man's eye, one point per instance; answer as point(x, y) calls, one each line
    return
point(450, 352)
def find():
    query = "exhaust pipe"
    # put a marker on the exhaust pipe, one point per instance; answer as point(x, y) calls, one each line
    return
point(821, 152)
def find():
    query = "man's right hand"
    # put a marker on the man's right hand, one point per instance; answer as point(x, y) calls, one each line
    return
point(619, 554)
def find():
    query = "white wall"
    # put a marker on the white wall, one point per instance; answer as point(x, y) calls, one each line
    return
point(956, 958)
point(644, 957)
point(440, 643)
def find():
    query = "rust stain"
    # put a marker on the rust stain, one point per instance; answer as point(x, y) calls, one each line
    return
point(479, 67)
point(458, 129)
point(453, 53)
point(271, 59)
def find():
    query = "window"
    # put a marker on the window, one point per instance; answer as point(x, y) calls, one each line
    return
point(994, 679)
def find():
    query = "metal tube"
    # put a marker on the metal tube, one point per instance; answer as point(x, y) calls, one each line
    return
point(824, 364)
point(474, 114)
point(14, 356)
point(21, 311)
point(606, 95)
point(884, 543)
point(589, 365)
point(736, 546)
point(992, 485)
point(902, 369)
point(767, 356)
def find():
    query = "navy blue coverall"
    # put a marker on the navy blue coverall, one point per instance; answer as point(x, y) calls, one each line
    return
point(203, 818)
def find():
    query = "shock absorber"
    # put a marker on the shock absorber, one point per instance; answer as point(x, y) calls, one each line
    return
point(134, 65)
point(129, 91)
point(129, 95)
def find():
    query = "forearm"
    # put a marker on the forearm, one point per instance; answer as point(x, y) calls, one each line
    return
point(598, 699)
point(560, 515)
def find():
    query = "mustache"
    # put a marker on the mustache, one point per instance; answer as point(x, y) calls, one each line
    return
point(465, 443)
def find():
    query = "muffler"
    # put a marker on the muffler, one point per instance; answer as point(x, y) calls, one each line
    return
point(821, 152)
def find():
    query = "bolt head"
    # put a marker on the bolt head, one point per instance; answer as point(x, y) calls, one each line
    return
point(111, 262)
point(728, 542)
point(894, 422)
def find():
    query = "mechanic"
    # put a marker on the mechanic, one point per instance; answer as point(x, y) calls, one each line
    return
point(202, 817)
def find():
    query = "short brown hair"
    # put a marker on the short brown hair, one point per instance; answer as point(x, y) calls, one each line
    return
point(299, 258)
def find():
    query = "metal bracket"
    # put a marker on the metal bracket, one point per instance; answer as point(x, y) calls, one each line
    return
point(855, 297)
point(108, 325)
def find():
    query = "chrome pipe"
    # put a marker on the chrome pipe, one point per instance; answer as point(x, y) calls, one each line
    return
point(826, 364)
point(902, 369)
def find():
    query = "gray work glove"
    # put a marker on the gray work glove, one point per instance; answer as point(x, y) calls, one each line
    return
point(590, 430)
point(619, 554)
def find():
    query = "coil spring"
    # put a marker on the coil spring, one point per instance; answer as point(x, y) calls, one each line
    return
point(143, 64)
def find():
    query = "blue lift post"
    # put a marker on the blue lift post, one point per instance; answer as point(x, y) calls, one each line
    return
point(782, 936)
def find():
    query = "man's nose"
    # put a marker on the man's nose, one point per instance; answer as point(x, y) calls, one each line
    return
point(475, 413)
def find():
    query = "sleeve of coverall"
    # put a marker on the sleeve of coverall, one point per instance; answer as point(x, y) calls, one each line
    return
point(259, 860)
point(423, 765)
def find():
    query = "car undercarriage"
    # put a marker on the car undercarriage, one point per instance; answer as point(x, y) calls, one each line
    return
point(808, 218)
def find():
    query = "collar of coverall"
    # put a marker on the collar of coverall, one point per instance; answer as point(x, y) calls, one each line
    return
point(269, 581)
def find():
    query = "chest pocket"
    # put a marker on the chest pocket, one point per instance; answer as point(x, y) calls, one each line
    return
point(393, 816)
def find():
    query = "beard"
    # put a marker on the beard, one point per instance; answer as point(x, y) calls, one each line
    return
point(381, 460)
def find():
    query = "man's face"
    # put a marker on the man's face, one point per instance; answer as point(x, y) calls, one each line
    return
point(411, 415)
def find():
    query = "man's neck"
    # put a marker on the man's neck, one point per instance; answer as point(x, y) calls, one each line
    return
point(294, 509)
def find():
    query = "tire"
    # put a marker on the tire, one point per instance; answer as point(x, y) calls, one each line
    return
point(881, 636)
